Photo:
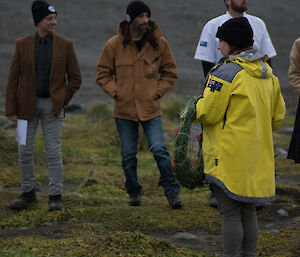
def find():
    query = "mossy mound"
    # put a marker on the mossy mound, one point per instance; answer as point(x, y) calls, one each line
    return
point(97, 221)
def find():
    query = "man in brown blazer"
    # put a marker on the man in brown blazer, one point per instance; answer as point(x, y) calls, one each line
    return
point(137, 68)
point(43, 76)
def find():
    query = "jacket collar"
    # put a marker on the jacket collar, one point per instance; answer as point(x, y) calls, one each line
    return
point(124, 29)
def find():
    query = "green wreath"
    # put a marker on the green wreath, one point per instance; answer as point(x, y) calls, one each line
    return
point(188, 172)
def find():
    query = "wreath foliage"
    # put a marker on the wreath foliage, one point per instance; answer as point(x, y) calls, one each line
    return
point(188, 171)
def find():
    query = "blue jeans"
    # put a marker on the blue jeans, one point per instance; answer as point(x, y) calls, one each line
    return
point(128, 131)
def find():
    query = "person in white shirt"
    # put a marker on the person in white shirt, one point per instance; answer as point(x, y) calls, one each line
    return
point(207, 48)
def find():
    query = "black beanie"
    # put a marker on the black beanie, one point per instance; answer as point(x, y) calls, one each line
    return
point(237, 32)
point(40, 9)
point(135, 8)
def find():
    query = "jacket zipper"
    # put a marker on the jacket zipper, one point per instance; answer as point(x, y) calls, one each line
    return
point(225, 118)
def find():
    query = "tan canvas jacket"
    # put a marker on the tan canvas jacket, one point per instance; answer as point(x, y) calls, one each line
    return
point(136, 80)
point(65, 77)
point(294, 68)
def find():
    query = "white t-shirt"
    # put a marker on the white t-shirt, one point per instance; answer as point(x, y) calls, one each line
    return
point(207, 49)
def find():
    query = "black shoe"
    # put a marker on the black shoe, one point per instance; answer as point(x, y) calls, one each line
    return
point(134, 199)
point(213, 202)
point(55, 203)
point(174, 200)
point(24, 200)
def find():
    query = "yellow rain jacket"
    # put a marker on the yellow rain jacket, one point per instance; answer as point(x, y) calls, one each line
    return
point(241, 105)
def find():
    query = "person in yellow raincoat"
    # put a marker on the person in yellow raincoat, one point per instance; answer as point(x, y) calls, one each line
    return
point(241, 106)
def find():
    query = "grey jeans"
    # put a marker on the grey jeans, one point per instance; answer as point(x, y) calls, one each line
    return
point(239, 226)
point(51, 127)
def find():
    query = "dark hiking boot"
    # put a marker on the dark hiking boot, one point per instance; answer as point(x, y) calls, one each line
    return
point(24, 200)
point(174, 200)
point(55, 203)
point(134, 199)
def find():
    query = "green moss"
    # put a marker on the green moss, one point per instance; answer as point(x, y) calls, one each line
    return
point(284, 244)
point(172, 106)
point(97, 221)
point(99, 112)
point(100, 203)
point(8, 149)
point(107, 244)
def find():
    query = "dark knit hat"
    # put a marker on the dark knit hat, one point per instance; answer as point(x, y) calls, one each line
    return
point(135, 8)
point(40, 9)
point(237, 32)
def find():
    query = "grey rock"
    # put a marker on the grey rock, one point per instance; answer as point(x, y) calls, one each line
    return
point(269, 225)
point(5, 186)
point(288, 131)
point(3, 121)
point(280, 153)
point(283, 213)
point(91, 173)
point(50, 223)
point(74, 109)
point(185, 236)
point(296, 219)
point(274, 231)
point(5, 124)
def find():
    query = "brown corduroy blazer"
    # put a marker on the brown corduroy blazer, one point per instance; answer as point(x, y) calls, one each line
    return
point(65, 77)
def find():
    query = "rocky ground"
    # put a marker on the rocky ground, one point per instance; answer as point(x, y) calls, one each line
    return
point(91, 22)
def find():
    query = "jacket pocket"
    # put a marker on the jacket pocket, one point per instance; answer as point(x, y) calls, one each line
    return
point(124, 79)
point(124, 68)
point(210, 148)
point(151, 67)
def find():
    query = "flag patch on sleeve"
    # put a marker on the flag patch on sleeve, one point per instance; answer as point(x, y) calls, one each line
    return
point(203, 43)
point(215, 85)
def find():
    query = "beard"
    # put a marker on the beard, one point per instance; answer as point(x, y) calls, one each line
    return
point(140, 28)
point(237, 8)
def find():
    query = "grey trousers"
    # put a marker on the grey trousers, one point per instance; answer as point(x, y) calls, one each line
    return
point(239, 226)
point(51, 127)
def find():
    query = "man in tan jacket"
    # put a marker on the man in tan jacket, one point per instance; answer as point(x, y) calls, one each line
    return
point(294, 81)
point(136, 68)
point(43, 76)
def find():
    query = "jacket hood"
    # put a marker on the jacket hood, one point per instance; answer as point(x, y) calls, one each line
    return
point(253, 62)
point(152, 34)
